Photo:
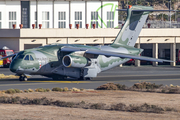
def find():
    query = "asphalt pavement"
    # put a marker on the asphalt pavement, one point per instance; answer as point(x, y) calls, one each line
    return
point(127, 75)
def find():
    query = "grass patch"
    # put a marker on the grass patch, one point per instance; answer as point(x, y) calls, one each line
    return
point(12, 91)
point(40, 90)
point(100, 106)
point(142, 87)
point(2, 76)
point(138, 108)
point(146, 85)
point(57, 89)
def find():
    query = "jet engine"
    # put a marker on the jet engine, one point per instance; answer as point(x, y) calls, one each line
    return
point(75, 61)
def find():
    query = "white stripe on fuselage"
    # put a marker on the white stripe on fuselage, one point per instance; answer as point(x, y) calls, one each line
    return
point(40, 57)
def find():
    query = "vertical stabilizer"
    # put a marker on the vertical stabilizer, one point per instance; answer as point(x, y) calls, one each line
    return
point(136, 18)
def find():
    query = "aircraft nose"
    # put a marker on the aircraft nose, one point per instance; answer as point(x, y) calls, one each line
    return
point(13, 67)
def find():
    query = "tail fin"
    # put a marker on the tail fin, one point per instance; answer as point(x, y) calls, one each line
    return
point(136, 17)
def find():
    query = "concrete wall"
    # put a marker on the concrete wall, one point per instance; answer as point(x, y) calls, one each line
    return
point(45, 6)
point(30, 41)
point(159, 35)
point(12, 43)
point(32, 13)
point(96, 5)
point(10, 6)
point(68, 32)
point(110, 6)
point(83, 36)
point(2, 10)
point(61, 6)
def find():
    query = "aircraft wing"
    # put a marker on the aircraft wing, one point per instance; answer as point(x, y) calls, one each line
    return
point(8, 56)
point(114, 54)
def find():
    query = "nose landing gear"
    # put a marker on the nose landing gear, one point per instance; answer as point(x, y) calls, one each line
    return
point(22, 78)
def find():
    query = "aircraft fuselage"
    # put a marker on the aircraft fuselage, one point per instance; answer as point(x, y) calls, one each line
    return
point(47, 61)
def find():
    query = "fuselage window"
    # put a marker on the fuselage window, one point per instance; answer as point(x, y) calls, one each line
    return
point(31, 58)
point(27, 57)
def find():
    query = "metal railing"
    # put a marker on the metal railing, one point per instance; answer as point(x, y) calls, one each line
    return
point(157, 24)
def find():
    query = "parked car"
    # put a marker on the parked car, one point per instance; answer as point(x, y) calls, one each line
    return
point(5, 51)
point(130, 62)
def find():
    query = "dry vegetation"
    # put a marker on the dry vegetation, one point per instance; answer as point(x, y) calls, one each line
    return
point(2, 76)
point(142, 87)
point(111, 101)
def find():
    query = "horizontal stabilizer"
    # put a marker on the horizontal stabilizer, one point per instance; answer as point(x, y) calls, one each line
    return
point(113, 54)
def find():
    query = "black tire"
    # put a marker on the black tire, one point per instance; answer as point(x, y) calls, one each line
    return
point(20, 78)
point(23, 78)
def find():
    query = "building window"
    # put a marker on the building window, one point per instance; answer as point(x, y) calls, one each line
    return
point(61, 19)
point(94, 19)
point(0, 20)
point(45, 19)
point(12, 19)
point(35, 19)
point(110, 19)
point(25, 14)
point(24, 17)
point(78, 18)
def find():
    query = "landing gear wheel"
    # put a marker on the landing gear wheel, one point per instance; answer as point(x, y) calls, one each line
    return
point(22, 78)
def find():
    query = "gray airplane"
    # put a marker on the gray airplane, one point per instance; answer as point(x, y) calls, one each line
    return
point(60, 61)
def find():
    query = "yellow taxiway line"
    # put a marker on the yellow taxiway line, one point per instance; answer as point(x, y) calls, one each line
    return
point(60, 81)
point(43, 82)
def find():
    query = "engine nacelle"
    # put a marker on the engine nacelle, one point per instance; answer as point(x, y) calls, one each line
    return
point(75, 61)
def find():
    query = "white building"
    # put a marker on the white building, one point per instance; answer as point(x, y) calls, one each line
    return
point(58, 13)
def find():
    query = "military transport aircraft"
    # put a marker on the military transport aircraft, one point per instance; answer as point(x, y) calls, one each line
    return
point(60, 61)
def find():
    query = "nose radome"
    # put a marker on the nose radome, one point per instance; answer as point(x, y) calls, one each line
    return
point(13, 67)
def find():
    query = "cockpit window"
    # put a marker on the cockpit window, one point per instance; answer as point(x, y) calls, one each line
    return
point(20, 57)
point(27, 57)
point(31, 58)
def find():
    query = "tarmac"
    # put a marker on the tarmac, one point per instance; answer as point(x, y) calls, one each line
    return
point(127, 75)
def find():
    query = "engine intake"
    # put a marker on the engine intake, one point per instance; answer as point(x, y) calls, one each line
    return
point(75, 61)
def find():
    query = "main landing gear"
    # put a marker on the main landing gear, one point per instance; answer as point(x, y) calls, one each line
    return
point(22, 78)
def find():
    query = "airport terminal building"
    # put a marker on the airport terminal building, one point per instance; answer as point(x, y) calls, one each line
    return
point(58, 21)
point(58, 13)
